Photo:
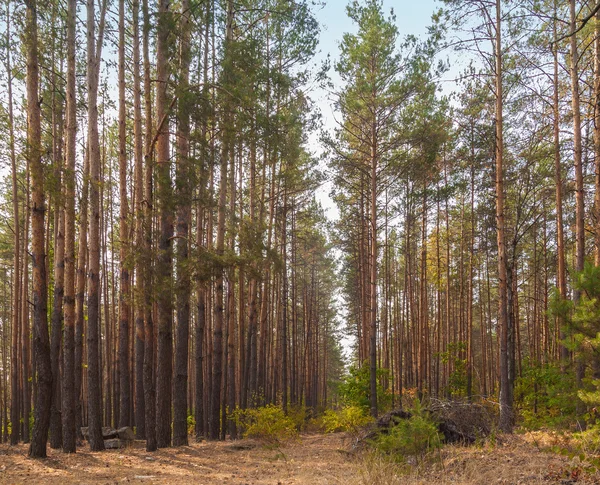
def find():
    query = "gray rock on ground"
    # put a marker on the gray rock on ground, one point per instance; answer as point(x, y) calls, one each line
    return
point(114, 444)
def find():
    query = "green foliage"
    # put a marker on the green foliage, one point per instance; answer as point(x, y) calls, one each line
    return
point(546, 396)
point(582, 321)
point(416, 436)
point(348, 418)
point(582, 329)
point(268, 424)
point(355, 389)
point(457, 382)
point(299, 416)
point(191, 423)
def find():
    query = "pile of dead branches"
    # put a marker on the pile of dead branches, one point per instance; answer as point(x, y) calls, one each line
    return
point(459, 421)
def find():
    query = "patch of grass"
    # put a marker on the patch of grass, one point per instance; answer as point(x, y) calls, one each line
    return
point(377, 469)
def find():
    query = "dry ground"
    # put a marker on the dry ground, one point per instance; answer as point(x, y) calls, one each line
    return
point(315, 459)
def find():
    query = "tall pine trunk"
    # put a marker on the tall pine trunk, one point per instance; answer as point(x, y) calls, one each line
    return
point(68, 382)
point(164, 261)
point(184, 201)
point(124, 291)
point(41, 338)
point(94, 383)
point(506, 411)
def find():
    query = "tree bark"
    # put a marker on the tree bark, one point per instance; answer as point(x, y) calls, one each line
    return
point(41, 338)
point(94, 383)
point(16, 314)
point(184, 201)
point(138, 187)
point(149, 385)
point(164, 261)
point(68, 383)
point(124, 290)
point(506, 409)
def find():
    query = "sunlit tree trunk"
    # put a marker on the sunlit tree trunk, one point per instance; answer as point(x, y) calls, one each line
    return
point(41, 338)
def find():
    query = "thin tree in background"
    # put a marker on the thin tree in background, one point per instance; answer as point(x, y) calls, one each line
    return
point(138, 154)
point(124, 291)
point(16, 314)
point(68, 382)
point(94, 383)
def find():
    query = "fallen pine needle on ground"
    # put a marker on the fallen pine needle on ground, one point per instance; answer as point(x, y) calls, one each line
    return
point(313, 459)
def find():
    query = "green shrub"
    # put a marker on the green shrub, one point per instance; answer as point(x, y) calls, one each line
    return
point(416, 436)
point(457, 381)
point(349, 418)
point(268, 424)
point(355, 389)
point(191, 423)
point(546, 396)
point(299, 415)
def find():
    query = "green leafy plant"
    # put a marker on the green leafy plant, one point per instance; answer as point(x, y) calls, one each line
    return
point(545, 396)
point(348, 418)
point(268, 424)
point(299, 415)
point(416, 436)
point(191, 423)
point(457, 381)
point(354, 390)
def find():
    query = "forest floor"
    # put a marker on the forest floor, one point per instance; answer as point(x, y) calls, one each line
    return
point(313, 459)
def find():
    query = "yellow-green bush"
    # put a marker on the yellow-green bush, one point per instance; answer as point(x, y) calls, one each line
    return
point(299, 416)
point(349, 418)
point(268, 424)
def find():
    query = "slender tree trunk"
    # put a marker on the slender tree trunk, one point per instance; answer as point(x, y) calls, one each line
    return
point(94, 383)
point(140, 408)
point(41, 338)
point(80, 296)
point(373, 278)
point(597, 136)
point(15, 415)
point(184, 184)
point(577, 147)
point(68, 382)
point(124, 290)
point(59, 252)
point(220, 243)
point(561, 273)
point(506, 411)
point(164, 261)
point(149, 386)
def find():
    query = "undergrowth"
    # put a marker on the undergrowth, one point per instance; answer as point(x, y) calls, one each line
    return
point(268, 424)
